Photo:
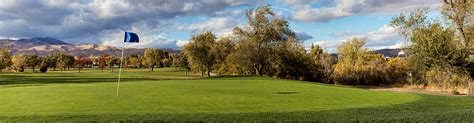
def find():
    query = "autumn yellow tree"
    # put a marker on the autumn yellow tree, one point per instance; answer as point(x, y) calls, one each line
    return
point(5, 60)
point(152, 57)
point(19, 62)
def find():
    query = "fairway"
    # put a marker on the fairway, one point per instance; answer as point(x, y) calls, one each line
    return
point(170, 95)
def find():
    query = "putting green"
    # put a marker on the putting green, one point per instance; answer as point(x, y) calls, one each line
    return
point(216, 95)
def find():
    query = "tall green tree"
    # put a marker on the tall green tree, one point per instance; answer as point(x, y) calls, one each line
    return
point(431, 44)
point(432, 47)
point(256, 45)
point(54, 58)
point(405, 23)
point(62, 60)
point(292, 62)
point(323, 63)
point(200, 51)
point(184, 63)
point(69, 61)
point(32, 61)
point(223, 48)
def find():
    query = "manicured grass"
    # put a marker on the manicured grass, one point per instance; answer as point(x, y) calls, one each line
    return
point(169, 95)
point(93, 75)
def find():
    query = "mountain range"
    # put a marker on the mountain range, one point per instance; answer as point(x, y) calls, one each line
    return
point(48, 45)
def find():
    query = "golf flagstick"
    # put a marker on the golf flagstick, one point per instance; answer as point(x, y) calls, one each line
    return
point(120, 70)
point(129, 38)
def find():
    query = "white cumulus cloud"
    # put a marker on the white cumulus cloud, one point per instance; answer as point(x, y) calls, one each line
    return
point(333, 9)
point(385, 37)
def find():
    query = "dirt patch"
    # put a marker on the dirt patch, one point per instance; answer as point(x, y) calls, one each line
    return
point(408, 90)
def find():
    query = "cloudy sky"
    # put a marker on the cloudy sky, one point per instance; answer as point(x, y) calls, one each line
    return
point(170, 23)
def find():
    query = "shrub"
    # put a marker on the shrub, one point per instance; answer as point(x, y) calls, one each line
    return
point(43, 69)
point(447, 79)
point(21, 69)
point(358, 66)
point(399, 70)
point(373, 73)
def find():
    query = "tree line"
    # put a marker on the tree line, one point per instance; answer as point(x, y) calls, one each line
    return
point(61, 61)
point(439, 54)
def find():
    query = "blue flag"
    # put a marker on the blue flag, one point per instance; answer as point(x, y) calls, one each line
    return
point(131, 38)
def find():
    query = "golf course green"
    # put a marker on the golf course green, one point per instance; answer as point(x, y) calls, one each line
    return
point(168, 94)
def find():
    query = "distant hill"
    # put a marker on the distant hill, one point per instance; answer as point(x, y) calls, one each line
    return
point(47, 45)
point(388, 52)
point(384, 52)
point(43, 41)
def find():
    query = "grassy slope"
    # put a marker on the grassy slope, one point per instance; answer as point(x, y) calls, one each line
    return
point(145, 95)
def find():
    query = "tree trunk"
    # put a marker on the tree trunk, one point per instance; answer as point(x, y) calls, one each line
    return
point(259, 70)
point(152, 68)
point(208, 71)
point(33, 68)
point(471, 89)
point(462, 36)
point(186, 72)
